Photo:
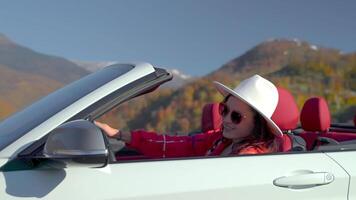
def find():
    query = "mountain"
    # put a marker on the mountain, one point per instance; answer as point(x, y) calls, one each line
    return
point(24, 59)
point(179, 78)
point(19, 88)
point(297, 65)
point(26, 75)
point(305, 69)
point(288, 58)
point(273, 55)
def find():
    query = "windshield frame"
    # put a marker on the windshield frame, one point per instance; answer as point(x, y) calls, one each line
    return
point(11, 128)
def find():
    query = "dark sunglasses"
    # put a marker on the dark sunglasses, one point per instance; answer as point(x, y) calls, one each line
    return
point(236, 117)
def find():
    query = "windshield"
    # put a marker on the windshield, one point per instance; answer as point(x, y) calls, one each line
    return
point(20, 123)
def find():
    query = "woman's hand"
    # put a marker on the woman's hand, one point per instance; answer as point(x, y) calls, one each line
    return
point(115, 133)
point(111, 132)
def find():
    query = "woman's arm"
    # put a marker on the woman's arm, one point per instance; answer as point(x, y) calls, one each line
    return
point(160, 146)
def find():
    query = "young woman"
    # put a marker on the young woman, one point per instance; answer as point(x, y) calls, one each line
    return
point(247, 127)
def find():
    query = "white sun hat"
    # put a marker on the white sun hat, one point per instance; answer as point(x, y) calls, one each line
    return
point(258, 93)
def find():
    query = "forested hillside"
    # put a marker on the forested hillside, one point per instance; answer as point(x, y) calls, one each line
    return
point(306, 70)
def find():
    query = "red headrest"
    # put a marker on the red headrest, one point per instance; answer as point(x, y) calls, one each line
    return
point(211, 119)
point(315, 115)
point(286, 115)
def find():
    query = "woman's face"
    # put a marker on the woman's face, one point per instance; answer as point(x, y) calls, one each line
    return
point(237, 131)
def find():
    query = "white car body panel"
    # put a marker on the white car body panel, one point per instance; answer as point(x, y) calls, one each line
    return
point(347, 161)
point(141, 70)
point(246, 177)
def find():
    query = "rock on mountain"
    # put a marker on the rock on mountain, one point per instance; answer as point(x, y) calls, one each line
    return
point(93, 66)
point(179, 79)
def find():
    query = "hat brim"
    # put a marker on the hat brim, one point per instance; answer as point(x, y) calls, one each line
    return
point(224, 90)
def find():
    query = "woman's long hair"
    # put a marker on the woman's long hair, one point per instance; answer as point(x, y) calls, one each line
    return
point(261, 135)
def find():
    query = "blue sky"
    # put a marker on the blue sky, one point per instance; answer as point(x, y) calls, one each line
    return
point(194, 36)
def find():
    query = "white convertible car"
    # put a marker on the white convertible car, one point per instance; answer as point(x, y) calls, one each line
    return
point(52, 150)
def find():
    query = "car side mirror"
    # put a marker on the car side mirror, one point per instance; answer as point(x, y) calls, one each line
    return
point(77, 142)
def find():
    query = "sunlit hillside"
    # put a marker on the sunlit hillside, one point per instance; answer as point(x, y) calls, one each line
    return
point(306, 70)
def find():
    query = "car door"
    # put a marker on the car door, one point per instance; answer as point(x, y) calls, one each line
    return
point(347, 161)
point(302, 176)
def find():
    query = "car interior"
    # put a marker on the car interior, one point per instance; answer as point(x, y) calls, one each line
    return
point(308, 130)
point(315, 130)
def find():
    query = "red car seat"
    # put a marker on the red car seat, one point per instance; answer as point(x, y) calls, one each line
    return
point(211, 119)
point(286, 117)
point(315, 119)
point(315, 115)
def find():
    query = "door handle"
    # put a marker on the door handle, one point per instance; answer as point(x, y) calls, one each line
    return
point(306, 180)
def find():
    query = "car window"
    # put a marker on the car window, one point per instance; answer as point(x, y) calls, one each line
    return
point(135, 113)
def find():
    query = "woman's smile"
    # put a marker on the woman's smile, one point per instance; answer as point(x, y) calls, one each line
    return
point(229, 126)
